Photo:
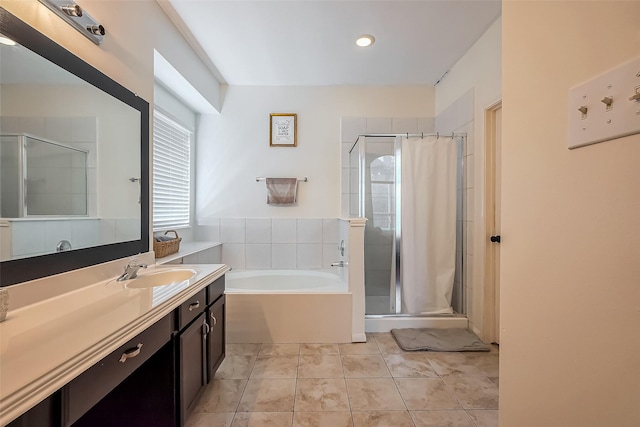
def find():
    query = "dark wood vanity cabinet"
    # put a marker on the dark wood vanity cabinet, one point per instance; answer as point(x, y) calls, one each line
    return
point(191, 357)
point(44, 414)
point(133, 386)
point(216, 341)
point(200, 345)
point(154, 379)
point(216, 315)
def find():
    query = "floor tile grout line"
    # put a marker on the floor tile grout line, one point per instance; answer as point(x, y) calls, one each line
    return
point(381, 353)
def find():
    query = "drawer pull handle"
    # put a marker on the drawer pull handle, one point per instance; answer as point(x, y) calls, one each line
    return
point(194, 306)
point(130, 353)
point(215, 321)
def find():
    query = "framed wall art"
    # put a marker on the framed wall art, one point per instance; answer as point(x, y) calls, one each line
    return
point(282, 130)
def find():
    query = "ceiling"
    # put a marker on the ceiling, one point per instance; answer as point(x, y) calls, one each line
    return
point(309, 43)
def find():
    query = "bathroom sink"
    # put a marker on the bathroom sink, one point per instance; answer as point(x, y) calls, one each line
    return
point(162, 278)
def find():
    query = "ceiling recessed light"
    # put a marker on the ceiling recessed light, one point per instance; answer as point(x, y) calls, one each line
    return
point(365, 40)
point(6, 40)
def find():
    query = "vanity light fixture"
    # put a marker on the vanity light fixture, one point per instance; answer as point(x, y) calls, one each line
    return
point(72, 10)
point(96, 29)
point(6, 40)
point(365, 40)
point(77, 18)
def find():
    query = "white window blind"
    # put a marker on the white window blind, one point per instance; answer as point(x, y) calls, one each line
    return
point(171, 173)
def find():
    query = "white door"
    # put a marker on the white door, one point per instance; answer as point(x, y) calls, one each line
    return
point(493, 142)
point(496, 218)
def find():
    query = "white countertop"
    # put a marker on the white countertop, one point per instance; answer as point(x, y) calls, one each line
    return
point(186, 249)
point(45, 345)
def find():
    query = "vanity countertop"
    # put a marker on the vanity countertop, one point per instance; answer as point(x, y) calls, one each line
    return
point(45, 345)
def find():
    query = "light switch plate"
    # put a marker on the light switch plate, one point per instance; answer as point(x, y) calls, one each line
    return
point(602, 122)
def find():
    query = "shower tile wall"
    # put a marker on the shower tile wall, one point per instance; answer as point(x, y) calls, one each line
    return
point(276, 243)
point(458, 117)
point(354, 126)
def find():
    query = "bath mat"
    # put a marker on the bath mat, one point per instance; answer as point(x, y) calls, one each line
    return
point(431, 339)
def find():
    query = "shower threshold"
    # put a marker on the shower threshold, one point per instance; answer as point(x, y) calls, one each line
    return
point(386, 322)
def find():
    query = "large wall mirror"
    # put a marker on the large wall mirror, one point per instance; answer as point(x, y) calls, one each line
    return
point(74, 155)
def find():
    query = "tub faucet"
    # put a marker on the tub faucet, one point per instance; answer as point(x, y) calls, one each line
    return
point(339, 264)
point(131, 270)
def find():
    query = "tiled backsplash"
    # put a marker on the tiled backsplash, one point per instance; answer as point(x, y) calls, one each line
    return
point(276, 243)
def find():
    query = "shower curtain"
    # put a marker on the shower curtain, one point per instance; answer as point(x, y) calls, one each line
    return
point(428, 224)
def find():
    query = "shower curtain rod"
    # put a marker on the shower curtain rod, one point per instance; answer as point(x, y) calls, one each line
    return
point(406, 135)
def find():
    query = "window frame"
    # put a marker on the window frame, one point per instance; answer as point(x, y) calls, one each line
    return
point(192, 138)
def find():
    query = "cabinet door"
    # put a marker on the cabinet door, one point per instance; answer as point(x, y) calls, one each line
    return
point(216, 343)
point(192, 357)
point(44, 414)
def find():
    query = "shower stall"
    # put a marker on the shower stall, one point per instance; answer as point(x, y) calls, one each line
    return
point(410, 189)
point(41, 178)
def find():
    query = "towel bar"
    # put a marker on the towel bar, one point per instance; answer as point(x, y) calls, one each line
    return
point(261, 178)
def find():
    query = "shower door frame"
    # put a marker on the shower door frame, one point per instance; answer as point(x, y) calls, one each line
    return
point(397, 148)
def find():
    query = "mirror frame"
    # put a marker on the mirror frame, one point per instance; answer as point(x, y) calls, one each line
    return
point(26, 269)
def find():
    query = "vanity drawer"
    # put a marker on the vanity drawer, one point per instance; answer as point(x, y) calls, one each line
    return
point(215, 290)
point(190, 309)
point(95, 383)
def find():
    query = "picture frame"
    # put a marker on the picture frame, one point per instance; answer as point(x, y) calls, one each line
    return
point(283, 130)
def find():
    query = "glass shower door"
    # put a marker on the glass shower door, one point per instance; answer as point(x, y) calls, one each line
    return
point(373, 164)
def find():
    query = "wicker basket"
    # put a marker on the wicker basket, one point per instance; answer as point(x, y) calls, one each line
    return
point(162, 249)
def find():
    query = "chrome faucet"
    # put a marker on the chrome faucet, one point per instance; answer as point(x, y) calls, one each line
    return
point(339, 264)
point(131, 270)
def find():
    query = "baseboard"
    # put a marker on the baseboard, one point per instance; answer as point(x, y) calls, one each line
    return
point(358, 338)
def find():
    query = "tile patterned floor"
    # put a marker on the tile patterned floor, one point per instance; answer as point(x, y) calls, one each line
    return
point(372, 384)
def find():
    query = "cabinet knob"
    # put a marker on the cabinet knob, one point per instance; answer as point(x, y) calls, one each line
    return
point(194, 306)
point(494, 239)
point(130, 353)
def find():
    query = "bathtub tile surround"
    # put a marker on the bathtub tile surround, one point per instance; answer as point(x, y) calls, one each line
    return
point(233, 254)
point(386, 391)
point(284, 230)
point(258, 230)
point(309, 256)
point(257, 256)
point(283, 256)
point(276, 243)
point(33, 237)
point(233, 230)
point(310, 230)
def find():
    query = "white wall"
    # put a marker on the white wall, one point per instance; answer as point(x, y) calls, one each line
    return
point(473, 84)
point(570, 289)
point(233, 148)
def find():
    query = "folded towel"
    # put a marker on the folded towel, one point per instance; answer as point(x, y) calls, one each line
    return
point(163, 238)
point(281, 191)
